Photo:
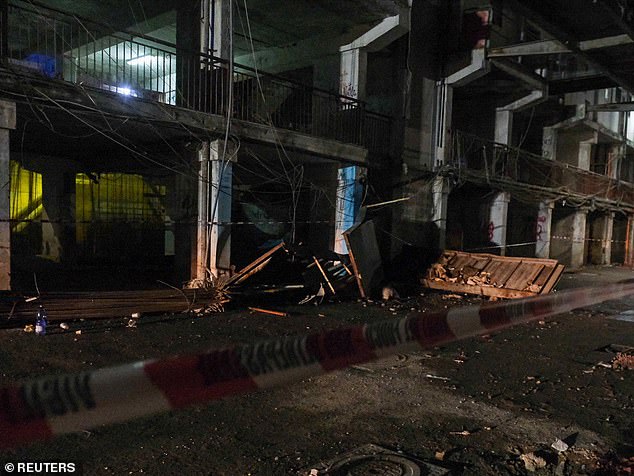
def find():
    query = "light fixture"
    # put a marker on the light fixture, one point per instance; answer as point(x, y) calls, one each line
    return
point(144, 59)
point(126, 91)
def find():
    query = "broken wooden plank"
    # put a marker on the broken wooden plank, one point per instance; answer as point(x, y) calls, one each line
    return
point(524, 275)
point(458, 271)
point(355, 268)
point(365, 257)
point(325, 276)
point(489, 291)
point(553, 279)
point(254, 266)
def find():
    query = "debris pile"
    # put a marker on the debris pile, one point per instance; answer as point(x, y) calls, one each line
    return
point(466, 275)
point(623, 361)
point(492, 275)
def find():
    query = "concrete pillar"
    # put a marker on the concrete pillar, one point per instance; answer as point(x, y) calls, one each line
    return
point(585, 155)
point(543, 229)
point(440, 197)
point(222, 14)
point(549, 143)
point(629, 241)
point(442, 124)
point(503, 126)
point(578, 245)
point(7, 123)
point(213, 248)
point(58, 214)
point(202, 26)
point(349, 195)
point(353, 72)
point(608, 232)
point(617, 155)
point(4, 30)
point(180, 205)
point(498, 218)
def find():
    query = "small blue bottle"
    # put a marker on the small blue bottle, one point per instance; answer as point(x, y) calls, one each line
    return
point(41, 321)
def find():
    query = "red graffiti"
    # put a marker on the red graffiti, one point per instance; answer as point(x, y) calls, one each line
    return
point(491, 230)
point(539, 228)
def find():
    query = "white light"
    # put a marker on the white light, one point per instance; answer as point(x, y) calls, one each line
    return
point(125, 91)
point(145, 59)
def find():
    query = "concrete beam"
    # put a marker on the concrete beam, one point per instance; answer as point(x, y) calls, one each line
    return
point(354, 55)
point(550, 47)
point(530, 100)
point(611, 107)
point(7, 122)
point(478, 67)
point(386, 32)
point(618, 12)
point(522, 73)
point(529, 10)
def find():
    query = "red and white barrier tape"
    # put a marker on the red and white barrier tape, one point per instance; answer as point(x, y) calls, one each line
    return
point(54, 405)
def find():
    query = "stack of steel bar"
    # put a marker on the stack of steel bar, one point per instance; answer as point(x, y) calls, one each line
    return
point(203, 295)
point(16, 309)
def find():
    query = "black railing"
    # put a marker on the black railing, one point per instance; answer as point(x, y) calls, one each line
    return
point(66, 47)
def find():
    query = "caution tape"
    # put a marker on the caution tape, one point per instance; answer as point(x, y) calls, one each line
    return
point(54, 405)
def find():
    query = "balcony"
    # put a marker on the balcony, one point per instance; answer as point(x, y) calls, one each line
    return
point(533, 178)
point(63, 47)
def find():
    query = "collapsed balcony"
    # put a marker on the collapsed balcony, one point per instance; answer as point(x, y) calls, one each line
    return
point(534, 177)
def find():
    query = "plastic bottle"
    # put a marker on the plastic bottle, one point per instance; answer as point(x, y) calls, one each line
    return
point(41, 321)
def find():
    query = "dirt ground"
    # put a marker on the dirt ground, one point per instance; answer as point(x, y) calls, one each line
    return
point(488, 405)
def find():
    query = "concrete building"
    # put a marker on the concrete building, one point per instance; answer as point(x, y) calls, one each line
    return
point(169, 140)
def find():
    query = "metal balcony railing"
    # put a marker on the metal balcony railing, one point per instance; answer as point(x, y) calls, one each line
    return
point(63, 46)
point(489, 162)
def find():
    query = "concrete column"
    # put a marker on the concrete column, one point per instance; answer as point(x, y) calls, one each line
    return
point(180, 207)
point(442, 124)
point(221, 199)
point(7, 123)
point(202, 26)
point(222, 29)
point(498, 217)
point(503, 126)
point(578, 245)
point(58, 214)
point(349, 195)
point(213, 248)
point(353, 73)
point(629, 241)
point(4, 30)
point(585, 155)
point(617, 155)
point(543, 229)
point(549, 143)
point(440, 197)
point(606, 241)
